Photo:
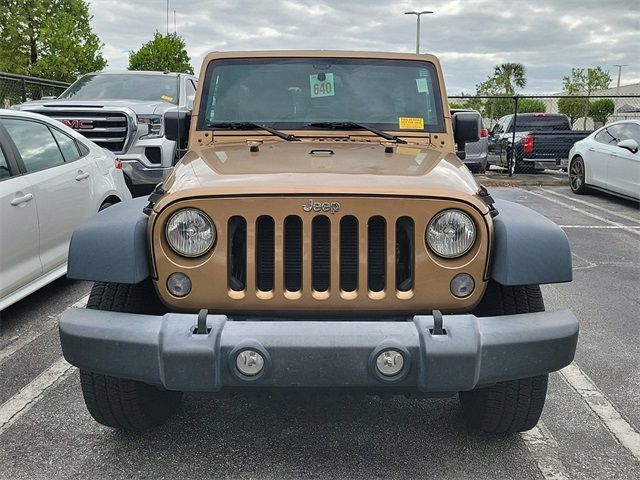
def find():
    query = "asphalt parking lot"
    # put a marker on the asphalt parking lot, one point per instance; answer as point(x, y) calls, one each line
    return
point(589, 428)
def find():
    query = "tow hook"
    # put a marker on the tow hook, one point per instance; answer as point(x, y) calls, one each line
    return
point(437, 323)
point(202, 322)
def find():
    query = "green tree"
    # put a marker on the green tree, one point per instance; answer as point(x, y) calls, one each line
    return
point(508, 76)
point(48, 38)
point(531, 105)
point(163, 53)
point(504, 81)
point(585, 82)
point(600, 110)
point(573, 107)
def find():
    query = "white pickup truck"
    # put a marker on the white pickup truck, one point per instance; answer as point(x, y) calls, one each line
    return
point(123, 111)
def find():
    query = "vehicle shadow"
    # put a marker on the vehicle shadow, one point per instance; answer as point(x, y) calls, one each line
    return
point(311, 436)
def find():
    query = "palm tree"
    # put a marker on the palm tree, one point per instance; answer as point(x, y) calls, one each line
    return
point(509, 76)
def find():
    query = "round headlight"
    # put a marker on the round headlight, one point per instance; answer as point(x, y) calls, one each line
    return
point(190, 232)
point(451, 234)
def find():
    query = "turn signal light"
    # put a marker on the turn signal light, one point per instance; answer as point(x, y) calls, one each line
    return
point(118, 163)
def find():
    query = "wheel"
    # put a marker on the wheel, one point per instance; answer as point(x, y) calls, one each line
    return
point(576, 176)
point(117, 402)
point(515, 405)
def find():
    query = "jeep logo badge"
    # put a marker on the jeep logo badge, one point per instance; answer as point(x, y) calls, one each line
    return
point(329, 207)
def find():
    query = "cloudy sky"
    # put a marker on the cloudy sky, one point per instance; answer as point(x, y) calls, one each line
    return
point(469, 36)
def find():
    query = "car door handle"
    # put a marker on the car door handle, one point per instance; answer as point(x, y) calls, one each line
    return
point(82, 175)
point(20, 200)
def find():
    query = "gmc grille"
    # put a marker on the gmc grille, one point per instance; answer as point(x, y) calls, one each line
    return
point(108, 130)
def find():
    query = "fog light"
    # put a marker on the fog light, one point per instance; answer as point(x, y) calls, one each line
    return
point(462, 285)
point(179, 284)
point(249, 362)
point(390, 363)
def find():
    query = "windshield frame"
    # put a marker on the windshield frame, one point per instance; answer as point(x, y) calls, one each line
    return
point(301, 126)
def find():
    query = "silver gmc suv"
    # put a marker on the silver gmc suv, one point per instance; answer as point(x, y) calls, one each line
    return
point(123, 111)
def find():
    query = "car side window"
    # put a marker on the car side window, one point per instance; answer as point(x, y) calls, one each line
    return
point(628, 131)
point(4, 166)
point(67, 145)
point(606, 136)
point(191, 89)
point(35, 143)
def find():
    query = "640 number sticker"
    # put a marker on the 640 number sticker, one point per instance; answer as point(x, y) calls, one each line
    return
point(321, 85)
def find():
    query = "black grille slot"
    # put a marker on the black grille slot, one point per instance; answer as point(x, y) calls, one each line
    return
point(348, 253)
point(293, 253)
point(265, 243)
point(237, 253)
point(376, 253)
point(321, 253)
point(404, 254)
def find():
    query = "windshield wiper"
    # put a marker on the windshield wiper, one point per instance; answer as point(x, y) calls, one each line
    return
point(356, 125)
point(253, 126)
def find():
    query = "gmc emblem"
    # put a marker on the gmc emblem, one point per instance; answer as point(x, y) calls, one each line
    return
point(79, 124)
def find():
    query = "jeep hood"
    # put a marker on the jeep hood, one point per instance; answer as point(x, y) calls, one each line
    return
point(138, 106)
point(319, 168)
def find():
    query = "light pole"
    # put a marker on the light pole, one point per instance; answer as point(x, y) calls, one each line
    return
point(620, 75)
point(418, 15)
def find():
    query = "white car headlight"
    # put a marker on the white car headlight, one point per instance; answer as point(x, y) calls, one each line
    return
point(451, 234)
point(154, 124)
point(190, 232)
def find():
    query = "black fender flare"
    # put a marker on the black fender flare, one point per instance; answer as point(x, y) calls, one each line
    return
point(112, 245)
point(529, 249)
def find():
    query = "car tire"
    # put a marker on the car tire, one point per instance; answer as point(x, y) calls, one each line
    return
point(576, 176)
point(122, 403)
point(515, 405)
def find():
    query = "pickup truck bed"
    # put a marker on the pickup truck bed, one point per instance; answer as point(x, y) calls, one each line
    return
point(540, 150)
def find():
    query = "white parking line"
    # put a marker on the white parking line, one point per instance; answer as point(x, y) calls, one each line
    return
point(44, 327)
point(22, 402)
point(591, 205)
point(543, 447)
point(602, 407)
point(606, 227)
point(584, 212)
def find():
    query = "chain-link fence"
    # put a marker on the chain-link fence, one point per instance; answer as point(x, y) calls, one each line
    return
point(529, 134)
point(16, 89)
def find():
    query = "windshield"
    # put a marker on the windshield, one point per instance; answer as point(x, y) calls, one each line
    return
point(293, 93)
point(150, 88)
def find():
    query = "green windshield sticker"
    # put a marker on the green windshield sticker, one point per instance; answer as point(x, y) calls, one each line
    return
point(421, 83)
point(321, 85)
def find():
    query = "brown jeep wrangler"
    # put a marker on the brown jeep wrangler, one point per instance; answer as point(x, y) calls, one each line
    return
point(320, 232)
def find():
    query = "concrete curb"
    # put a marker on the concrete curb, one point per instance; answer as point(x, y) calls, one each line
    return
point(546, 179)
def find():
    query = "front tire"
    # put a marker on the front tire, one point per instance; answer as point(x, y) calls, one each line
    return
point(515, 405)
point(117, 402)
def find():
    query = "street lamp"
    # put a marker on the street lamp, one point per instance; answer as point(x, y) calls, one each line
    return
point(418, 15)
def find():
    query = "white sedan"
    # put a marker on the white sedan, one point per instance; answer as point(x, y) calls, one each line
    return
point(608, 160)
point(51, 180)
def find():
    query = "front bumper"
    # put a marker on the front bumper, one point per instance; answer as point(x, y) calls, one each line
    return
point(165, 350)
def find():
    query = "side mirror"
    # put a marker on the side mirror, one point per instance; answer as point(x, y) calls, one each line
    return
point(190, 100)
point(629, 144)
point(176, 128)
point(466, 129)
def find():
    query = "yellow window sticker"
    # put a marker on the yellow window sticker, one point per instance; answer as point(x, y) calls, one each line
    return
point(166, 98)
point(411, 123)
point(421, 83)
point(321, 85)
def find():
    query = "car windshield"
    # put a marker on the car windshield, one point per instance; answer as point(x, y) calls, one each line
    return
point(150, 88)
point(399, 95)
